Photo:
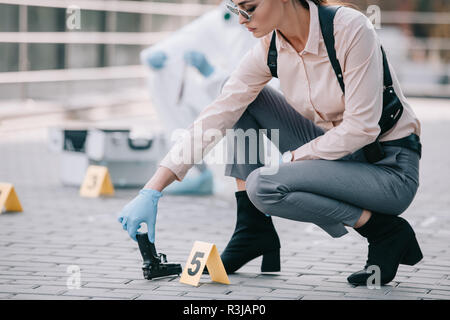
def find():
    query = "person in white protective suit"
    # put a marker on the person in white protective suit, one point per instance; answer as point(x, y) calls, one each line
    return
point(188, 70)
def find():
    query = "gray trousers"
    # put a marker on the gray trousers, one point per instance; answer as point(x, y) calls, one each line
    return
point(328, 193)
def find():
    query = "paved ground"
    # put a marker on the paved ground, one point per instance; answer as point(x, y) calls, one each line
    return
point(59, 229)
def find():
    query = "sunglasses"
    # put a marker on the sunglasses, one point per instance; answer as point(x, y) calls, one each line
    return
point(233, 8)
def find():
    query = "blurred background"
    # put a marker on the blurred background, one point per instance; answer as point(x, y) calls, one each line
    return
point(42, 59)
point(58, 69)
point(75, 92)
point(88, 72)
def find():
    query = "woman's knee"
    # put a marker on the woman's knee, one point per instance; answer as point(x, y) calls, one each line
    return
point(402, 206)
point(263, 190)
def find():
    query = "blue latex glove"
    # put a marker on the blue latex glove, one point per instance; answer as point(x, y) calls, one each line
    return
point(141, 209)
point(157, 60)
point(198, 60)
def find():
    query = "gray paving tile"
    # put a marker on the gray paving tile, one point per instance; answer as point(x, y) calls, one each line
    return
point(21, 296)
point(100, 293)
point(322, 297)
point(58, 229)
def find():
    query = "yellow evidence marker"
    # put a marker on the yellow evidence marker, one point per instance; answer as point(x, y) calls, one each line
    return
point(202, 254)
point(8, 198)
point(97, 181)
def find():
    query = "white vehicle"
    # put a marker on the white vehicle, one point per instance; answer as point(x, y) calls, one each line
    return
point(180, 92)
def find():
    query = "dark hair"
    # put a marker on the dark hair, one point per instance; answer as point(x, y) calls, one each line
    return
point(326, 2)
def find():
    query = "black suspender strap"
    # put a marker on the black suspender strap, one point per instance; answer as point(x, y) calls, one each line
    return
point(387, 72)
point(272, 56)
point(392, 106)
point(326, 18)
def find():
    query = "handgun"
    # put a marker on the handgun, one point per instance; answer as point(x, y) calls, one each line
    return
point(155, 265)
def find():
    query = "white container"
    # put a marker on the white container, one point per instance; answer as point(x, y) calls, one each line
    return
point(131, 161)
point(72, 168)
point(120, 145)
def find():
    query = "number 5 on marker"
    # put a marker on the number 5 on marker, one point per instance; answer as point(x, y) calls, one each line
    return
point(202, 254)
point(196, 262)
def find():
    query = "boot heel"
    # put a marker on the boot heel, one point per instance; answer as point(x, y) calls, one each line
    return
point(271, 261)
point(413, 254)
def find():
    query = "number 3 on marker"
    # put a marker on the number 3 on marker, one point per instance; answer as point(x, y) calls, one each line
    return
point(94, 182)
point(196, 262)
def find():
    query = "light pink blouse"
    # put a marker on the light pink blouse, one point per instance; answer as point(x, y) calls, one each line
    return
point(310, 86)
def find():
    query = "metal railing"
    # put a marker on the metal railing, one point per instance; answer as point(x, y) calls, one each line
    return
point(403, 17)
point(118, 38)
point(193, 9)
point(162, 8)
point(23, 37)
point(79, 74)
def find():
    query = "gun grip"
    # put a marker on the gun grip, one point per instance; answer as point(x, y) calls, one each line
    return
point(148, 250)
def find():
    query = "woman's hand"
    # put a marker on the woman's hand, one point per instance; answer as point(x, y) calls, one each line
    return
point(199, 61)
point(141, 209)
point(157, 60)
point(144, 206)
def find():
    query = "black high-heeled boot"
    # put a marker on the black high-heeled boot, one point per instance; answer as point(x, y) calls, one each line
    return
point(254, 235)
point(392, 241)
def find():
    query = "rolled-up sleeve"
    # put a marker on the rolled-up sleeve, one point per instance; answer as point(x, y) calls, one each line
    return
point(239, 91)
point(363, 78)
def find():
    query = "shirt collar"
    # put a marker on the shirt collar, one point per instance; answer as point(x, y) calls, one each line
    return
point(312, 44)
